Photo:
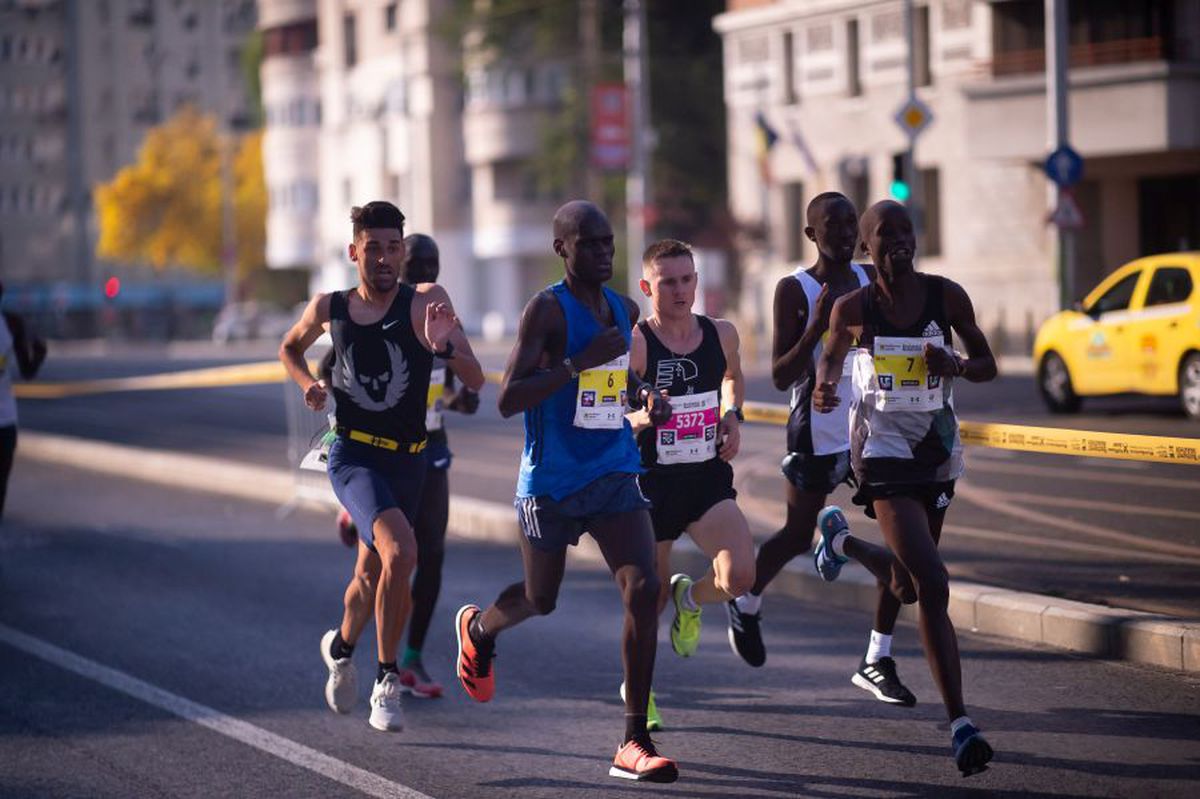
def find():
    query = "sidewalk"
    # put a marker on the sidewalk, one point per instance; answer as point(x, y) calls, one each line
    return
point(1029, 618)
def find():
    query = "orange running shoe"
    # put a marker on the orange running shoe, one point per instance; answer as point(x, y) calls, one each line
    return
point(638, 760)
point(474, 661)
point(346, 528)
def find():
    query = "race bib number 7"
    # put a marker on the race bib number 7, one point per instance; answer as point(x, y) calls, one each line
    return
point(690, 436)
point(902, 376)
point(600, 403)
point(435, 403)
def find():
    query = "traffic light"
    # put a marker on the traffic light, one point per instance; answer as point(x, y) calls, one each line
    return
point(112, 287)
point(899, 188)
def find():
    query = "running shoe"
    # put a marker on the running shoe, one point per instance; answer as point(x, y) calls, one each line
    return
point(474, 660)
point(637, 759)
point(830, 522)
point(416, 681)
point(346, 529)
point(341, 689)
point(745, 635)
point(685, 629)
point(653, 718)
point(971, 751)
point(387, 712)
point(880, 678)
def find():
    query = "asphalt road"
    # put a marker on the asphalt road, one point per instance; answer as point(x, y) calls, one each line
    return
point(210, 610)
point(1112, 532)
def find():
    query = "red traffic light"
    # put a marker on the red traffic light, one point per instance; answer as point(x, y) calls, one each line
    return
point(112, 287)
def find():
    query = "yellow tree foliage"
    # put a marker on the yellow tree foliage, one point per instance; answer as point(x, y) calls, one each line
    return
point(165, 209)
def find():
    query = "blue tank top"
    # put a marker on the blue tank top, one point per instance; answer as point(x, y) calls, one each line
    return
point(560, 458)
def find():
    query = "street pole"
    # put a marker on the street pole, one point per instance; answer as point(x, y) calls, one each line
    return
point(589, 40)
point(1058, 135)
point(910, 163)
point(637, 181)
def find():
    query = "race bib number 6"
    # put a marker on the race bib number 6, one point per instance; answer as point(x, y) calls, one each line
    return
point(690, 436)
point(902, 376)
point(600, 403)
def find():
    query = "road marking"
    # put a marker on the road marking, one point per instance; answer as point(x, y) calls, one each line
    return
point(1086, 475)
point(1093, 504)
point(241, 731)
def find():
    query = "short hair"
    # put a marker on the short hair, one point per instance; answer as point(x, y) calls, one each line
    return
point(823, 199)
point(377, 213)
point(666, 248)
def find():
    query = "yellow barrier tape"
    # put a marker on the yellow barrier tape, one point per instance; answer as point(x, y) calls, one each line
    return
point(1053, 440)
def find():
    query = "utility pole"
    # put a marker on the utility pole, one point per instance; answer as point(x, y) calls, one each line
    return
point(1058, 135)
point(637, 181)
point(589, 41)
point(911, 177)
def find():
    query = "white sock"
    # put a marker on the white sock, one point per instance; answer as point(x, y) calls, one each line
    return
point(839, 543)
point(749, 603)
point(880, 646)
point(959, 723)
point(688, 602)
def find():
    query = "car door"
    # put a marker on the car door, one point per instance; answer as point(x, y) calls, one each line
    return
point(1162, 327)
point(1102, 349)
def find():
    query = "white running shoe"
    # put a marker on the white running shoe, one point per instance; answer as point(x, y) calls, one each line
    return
point(387, 712)
point(341, 689)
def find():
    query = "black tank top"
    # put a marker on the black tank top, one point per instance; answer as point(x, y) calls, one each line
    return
point(381, 377)
point(931, 321)
point(697, 372)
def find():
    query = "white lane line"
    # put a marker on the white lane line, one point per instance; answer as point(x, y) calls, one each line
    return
point(282, 748)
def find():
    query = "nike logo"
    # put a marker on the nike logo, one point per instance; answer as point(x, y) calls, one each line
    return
point(392, 323)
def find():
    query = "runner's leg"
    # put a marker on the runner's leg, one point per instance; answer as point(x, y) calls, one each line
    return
point(430, 533)
point(397, 548)
point(724, 536)
point(360, 594)
point(536, 595)
point(8, 447)
point(662, 559)
point(790, 541)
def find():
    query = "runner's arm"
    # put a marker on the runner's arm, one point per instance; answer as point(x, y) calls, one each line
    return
point(525, 384)
point(980, 365)
point(302, 335)
point(463, 363)
point(639, 419)
point(27, 346)
point(842, 324)
point(733, 390)
point(793, 339)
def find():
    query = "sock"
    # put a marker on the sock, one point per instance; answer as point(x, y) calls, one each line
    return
point(339, 649)
point(688, 602)
point(475, 630)
point(839, 543)
point(384, 668)
point(748, 603)
point(879, 647)
point(411, 656)
point(635, 726)
point(959, 723)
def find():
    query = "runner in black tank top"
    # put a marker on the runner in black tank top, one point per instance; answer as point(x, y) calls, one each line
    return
point(688, 479)
point(384, 334)
point(904, 439)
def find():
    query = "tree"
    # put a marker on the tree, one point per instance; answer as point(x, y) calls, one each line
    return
point(165, 209)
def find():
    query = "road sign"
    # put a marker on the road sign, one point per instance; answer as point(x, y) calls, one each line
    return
point(1067, 215)
point(611, 142)
point(1064, 166)
point(913, 116)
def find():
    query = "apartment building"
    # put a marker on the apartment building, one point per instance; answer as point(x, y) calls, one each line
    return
point(829, 75)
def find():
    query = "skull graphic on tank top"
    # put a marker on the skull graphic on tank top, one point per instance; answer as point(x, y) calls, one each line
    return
point(376, 374)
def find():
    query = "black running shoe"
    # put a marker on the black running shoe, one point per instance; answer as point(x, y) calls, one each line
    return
point(880, 678)
point(745, 635)
point(971, 752)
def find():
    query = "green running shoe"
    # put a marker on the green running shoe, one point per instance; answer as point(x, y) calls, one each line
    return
point(685, 629)
point(653, 719)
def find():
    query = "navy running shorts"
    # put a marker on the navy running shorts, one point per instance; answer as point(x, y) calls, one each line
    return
point(682, 497)
point(818, 474)
point(438, 455)
point(553, 525)
point(936, 497)
point(369, 480)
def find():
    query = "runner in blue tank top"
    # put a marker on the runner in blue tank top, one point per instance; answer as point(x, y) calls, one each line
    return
point(569, 373)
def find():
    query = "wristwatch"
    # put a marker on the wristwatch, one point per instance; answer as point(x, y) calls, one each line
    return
point(571, 370)
point(446, 354)
point(736, 411)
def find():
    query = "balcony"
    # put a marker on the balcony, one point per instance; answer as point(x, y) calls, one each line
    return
point(1089, 54)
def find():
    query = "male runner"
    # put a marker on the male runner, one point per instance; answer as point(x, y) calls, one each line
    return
point(386, 335)
point(569, 372)
point(818, 456)
point(904, 442)
point(688, 478)
point(422, 265)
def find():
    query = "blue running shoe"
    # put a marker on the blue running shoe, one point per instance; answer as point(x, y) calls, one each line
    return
point(971, 751)
point(828, 563)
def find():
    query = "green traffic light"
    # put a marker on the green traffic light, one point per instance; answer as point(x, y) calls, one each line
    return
point(900, 191)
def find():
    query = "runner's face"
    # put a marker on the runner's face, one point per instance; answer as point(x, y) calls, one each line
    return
point(835, 232)
point(379, 253)
point(672, 285)
point(588, 254)
point(892, 243)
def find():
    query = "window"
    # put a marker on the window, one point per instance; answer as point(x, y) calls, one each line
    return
point(853, 85)
point(931, 214)
point(793, 222)
point(1170, 284)
point(1116, 298)
point(789, 69)
point(389, 16)
point(513, 180)
point(349, 40)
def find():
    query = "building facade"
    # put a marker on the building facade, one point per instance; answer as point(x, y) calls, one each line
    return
point(829, 75)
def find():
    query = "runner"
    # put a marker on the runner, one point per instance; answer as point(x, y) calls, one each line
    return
point(818, 457)
point(568, 372)
point(386, 334)
point(904, 443)
point(695, 361)
point(21, 352)
point(422, 265)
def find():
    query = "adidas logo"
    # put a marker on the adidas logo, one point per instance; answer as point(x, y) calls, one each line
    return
point(873, 674)
point(943, 501)
point(932, 329)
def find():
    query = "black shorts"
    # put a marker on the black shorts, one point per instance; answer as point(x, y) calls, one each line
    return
point(936, 497)
point(684, 496)
point(818, 474)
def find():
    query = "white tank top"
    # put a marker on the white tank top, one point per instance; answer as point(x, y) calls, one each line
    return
point(830, 431)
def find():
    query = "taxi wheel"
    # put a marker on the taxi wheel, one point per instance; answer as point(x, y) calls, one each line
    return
point(1189, 385)
point(1054, 383)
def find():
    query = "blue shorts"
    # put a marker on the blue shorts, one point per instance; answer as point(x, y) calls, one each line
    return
point(369, 480)
point(818, 474)
point(438, 455)
point(553, 525)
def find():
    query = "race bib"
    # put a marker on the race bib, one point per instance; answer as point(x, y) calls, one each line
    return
point(690, 436)
point(435, 404)
point(600, 403)
point(901, 376)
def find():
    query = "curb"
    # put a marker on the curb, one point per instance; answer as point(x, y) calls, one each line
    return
point(1029, 618)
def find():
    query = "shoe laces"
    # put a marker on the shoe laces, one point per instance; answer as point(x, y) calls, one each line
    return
point(644, 744)
point(389, 693)
point(485, 652)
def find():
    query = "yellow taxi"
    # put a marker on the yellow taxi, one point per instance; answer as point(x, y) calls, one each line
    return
point(1136, 332)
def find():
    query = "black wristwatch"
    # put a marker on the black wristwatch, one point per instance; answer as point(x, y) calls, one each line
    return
point(737, 412)
point(447, 353)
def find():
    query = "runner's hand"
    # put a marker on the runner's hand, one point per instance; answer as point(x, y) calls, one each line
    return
point(314, 395)
point(939, 362)
point(607, 345)
point(465, 401)
point(440, 322)
point(729, 437)
point(825, 397)
point(658, 406)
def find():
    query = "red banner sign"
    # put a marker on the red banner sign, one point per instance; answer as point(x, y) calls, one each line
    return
point(610, 126)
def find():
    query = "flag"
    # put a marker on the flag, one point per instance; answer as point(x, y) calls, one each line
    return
point(766, 137)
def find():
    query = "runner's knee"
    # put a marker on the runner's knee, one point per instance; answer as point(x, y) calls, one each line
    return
point(738, 579)
point(933, 591)
point(641, 590)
